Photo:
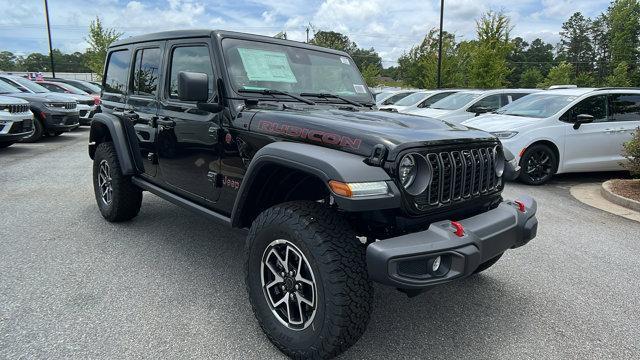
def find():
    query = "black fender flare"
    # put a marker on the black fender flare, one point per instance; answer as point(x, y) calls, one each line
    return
point(108, 126)
point(324, 163)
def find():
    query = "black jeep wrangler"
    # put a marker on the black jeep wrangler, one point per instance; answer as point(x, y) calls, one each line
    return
point(283, 139)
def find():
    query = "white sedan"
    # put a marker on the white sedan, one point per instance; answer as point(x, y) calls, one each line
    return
point(465, 105)
point(562, 131)
point(418, 100)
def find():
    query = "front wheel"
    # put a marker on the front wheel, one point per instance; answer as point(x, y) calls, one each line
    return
point(117, 197)
point(307, 280)
point(539, 163)
point(38, 132)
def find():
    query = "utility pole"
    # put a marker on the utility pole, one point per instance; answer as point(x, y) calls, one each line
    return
point(46, 13)
point(307, 34)
point(439, 81)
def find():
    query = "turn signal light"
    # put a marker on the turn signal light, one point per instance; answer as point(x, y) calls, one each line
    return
point(359, 189)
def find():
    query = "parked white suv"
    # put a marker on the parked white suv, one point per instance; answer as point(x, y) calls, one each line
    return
point(389, 98)
point(418, 100)
point(567, 130)
point(465, 105)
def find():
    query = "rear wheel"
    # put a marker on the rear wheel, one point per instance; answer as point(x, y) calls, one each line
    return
point(539, 163)
point(307, 280)
point(38, 131)
point(117, 197)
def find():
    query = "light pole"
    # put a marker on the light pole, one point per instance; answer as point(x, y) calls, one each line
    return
point(439, 81)
point(46, 13)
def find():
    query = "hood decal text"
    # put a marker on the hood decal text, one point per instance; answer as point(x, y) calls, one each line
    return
point(310, 134)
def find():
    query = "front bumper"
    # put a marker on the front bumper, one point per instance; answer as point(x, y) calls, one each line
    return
point(511, 166)
point(405, 262)
point(16, 126)
point(61, 120)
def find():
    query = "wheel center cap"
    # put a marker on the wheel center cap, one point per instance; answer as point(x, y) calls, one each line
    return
point(289, 283)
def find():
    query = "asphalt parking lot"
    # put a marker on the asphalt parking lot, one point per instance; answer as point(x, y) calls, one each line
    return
point(169, 284)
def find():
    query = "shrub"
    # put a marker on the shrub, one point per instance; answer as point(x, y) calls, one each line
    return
point(632, 153)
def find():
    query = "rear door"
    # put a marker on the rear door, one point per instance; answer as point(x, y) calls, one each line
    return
point(142, 101)
point(624, 119)
point(188, 138)
point(587, 148)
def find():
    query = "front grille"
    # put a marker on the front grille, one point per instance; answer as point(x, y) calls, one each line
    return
point(65, 105)
point(17, 108)
point(88, 102)
point(460, 175)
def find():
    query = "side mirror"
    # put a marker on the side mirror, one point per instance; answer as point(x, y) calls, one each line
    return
point(481, 110)
point(582, 119)
point(194, 86)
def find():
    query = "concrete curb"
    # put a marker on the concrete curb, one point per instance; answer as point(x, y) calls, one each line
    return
point(617, 199)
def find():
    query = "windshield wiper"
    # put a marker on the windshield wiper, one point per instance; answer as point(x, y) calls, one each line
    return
point(333, 96)
point(273, 92)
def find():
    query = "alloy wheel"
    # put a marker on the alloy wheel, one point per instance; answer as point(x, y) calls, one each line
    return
point(105, 182)
point(289, 284)
point(539, 166)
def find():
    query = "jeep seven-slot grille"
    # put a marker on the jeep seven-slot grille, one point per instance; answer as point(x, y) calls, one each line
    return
point(15, 108)
point(459, 175)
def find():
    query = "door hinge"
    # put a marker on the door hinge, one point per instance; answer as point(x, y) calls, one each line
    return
point(215, 178)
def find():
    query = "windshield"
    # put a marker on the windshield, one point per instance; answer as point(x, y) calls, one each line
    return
point(7, 89)
point(71, 89)
point(29, 85)
point(85, 86)
point(455, 101)
point(412, 99)
point(258, 65)
point(537, 105)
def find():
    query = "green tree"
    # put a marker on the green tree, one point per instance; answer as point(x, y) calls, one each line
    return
point(489, 67)
point(560, 74)
point(620, 76)
point(539, 55)
point(362, 57)
point(34, 62)
point(599, 34)
point(371, 74)
point(7, 61)
point(517, 59)
point(99, 40)
point(624, 31)
point(530, 78)
point(575, 43)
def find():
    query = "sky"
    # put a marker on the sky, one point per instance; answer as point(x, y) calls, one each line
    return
point(391, 27)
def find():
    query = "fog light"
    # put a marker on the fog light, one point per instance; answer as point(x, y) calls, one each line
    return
point(436, 264)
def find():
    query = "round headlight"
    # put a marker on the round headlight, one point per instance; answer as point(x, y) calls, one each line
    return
point(407, 170)
point(498, 155)
point(415, 173)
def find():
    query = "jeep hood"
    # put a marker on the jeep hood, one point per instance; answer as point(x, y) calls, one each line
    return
point(41, 97)
point(359, 131)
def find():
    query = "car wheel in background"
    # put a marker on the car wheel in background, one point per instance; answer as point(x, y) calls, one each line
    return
point(539, 163)
point(38, 131)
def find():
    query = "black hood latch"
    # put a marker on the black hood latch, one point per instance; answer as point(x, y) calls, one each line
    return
point(378, 155)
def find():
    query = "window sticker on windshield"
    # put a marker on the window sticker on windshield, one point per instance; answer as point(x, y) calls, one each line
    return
point(261, 65)
point(345, 60)
point(360, 89)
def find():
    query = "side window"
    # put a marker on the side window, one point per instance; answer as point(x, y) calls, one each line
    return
point(116, 79)
point(193, 59)
point(491, 102)
point(516, 96)
point(146, 71)
point(595, 106)
point(624, 107)
point(430, 101)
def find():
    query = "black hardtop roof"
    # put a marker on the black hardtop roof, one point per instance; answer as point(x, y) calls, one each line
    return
point(185, 34)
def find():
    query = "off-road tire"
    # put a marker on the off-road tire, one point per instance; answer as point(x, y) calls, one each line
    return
point(126, 197)
point(38, 132)
point(487, 264)
point(532, 151)
point(337, 260)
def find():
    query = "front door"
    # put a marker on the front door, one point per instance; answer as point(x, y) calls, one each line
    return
point(587, 148)
point(142, 104)
point(188, 140)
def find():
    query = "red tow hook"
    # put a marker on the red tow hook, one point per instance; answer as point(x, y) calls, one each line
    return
point(520, 205)
point(459, 229)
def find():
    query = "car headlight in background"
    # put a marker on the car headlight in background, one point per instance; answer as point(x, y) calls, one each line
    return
point(414, 173)
point(505, 134)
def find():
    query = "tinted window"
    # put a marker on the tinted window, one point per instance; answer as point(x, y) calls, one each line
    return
point(117, 68)
point(392, 100)
point(433, 99)
point(193, 59)
point(625, 107)
point(491, 102)
point(146, 71)
point(52, 87)
point(595, 106)
point(517, 96)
